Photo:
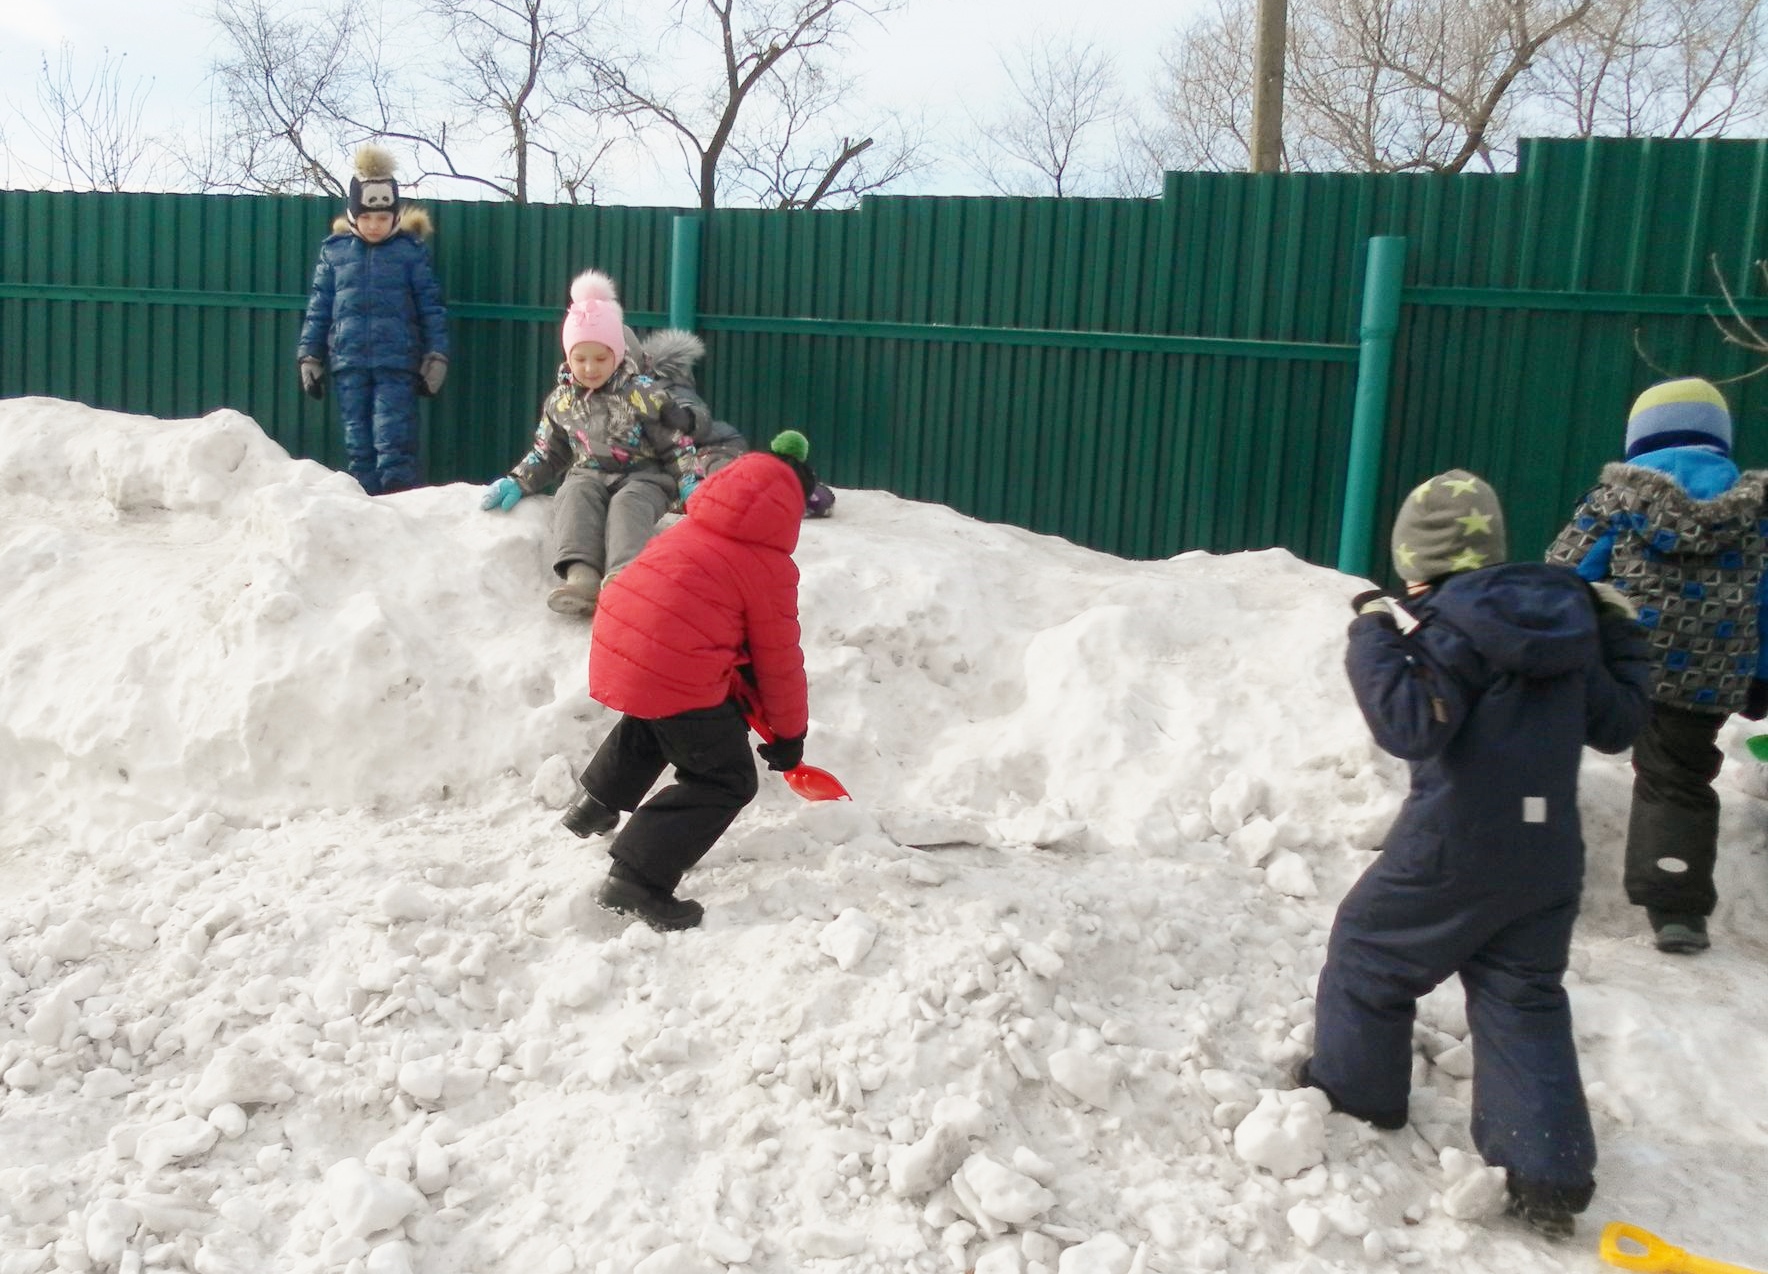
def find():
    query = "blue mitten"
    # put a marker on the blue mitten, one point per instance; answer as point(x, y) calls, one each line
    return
point(502, 495)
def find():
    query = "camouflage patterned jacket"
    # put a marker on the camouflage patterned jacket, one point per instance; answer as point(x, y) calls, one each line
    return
point(1694, 567)
point(616, 430)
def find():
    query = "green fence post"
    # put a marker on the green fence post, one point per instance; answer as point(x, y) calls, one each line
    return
point(1381, 319)
point(684, 274)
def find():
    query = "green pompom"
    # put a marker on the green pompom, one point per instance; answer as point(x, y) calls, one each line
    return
point(791, 443)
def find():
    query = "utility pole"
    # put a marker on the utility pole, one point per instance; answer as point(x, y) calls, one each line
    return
point(1267, 86)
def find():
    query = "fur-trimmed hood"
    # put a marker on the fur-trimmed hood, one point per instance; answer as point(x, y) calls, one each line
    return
point(413, 220)
point(670, 354)
point(1657, 502)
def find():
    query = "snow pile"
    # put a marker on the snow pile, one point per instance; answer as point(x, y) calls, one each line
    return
point(298, 972)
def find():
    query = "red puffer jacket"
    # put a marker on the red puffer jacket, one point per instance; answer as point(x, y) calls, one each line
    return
point(717, 587)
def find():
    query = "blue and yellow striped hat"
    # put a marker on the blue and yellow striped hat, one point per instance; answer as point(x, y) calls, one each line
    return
point(1679, 413)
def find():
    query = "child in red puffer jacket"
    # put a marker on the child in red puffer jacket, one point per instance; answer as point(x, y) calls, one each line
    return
point(715, 591)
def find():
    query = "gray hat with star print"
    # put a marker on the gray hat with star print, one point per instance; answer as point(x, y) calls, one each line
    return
point(1450, 523)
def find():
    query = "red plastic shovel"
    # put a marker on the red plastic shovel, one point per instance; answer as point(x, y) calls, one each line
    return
point(806, 780)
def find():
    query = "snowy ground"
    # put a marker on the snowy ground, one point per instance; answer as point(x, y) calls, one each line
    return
point(296, 972)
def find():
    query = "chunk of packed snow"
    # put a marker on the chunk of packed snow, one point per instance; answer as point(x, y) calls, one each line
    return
point(1285, 1134)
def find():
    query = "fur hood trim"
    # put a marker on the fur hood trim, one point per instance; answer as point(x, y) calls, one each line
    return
point(1657, 501)
point(671, 353)
point(413, 221)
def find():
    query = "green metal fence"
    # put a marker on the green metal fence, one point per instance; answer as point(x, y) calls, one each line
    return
point(1144, 376)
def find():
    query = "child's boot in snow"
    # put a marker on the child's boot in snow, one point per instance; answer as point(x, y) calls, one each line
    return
point(626, 892)
point(589, 817)
point(1546, 1219)
point(1679, 934)
point(577, 595)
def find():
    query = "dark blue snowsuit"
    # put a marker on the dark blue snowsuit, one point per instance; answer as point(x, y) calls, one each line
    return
point(1512, 671)
point(374, 311)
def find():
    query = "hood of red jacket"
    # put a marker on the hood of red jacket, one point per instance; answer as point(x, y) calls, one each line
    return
point(756, 498)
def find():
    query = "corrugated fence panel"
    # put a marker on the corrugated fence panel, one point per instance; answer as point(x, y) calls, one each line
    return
point(1537, 304)
point(1563, 280)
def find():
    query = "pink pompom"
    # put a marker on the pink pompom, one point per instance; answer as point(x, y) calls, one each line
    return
point(592, 285)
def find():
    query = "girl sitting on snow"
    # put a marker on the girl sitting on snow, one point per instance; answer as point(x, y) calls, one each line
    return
point(623, 444)
point(1489, 680)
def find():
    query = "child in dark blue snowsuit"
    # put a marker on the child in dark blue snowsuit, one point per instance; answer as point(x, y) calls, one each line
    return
point(375, 315)
point(1489, 679)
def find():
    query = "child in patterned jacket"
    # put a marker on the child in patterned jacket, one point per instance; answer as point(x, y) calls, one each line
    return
point(622, 443)
point(1678, 529)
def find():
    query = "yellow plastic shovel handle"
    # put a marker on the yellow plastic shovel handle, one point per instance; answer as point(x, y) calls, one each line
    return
point(1656, 1256)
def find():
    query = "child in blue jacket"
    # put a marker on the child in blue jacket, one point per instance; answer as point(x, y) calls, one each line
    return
point(1489, 678)
point(1681, 532)
point(375, 317)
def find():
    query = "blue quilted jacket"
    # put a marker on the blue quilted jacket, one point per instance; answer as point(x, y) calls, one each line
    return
point(375, 305)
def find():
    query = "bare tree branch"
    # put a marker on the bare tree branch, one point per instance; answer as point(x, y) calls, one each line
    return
point(1441, 85)
point(1044, 140)
point(785, 157)
point(285, 83)
point(763, 50)
point(92, 130)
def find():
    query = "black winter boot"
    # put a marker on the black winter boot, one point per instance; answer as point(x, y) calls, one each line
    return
point(1679, 934)
point(1555, 1223)
point(589, 817)
point(625, 893)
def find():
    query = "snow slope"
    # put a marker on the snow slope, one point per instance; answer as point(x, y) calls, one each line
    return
point(297, 970)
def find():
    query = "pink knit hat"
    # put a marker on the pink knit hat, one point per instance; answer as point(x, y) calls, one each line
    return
point(595, 314)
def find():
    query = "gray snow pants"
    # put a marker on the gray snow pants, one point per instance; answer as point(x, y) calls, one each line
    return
point(604, 519)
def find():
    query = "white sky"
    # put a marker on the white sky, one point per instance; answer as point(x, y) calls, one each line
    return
point(938, 54)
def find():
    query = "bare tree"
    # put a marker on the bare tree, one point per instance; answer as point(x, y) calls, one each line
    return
point(1202, 102)
point(1049, 136)
point(1374, 85)
point(510, 75)
point(762, 46)
point(489, 94)
point(784, 156)
point(91, 129)
point(286, 85)
point(1658, 68)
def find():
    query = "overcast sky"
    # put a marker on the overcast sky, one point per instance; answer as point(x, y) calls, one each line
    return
point(941, 54)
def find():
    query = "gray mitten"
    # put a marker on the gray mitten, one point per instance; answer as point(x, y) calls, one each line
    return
point(313, 378)
point(431, 373)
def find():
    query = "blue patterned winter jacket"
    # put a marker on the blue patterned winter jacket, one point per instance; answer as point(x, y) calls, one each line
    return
point(375, 305)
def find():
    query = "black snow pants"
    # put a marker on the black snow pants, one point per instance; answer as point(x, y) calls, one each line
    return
point(1673, 830)
point(714, 779)
point(1395, 938)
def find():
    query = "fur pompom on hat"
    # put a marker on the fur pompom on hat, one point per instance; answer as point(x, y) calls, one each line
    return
point(372, 188)
point(595, 314)
point(794, 448)
point(1450, 523)
point(1690, 412)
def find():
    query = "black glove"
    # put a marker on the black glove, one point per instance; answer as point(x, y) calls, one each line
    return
point(677, 419)
point(313, 378)
point(1755, 703)
point(783, 754)
point(1364, 603)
